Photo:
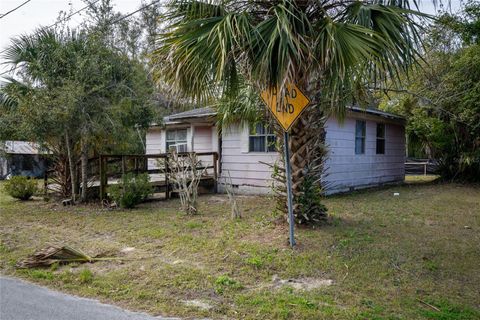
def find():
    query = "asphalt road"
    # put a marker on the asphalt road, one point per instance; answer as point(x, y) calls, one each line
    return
point(20, 300)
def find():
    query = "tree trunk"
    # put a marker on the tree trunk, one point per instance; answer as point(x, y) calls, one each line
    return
point(308, 153)
point(84, 169)
point(72, 167)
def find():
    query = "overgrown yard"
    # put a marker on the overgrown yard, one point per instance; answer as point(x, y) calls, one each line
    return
point(412, 256)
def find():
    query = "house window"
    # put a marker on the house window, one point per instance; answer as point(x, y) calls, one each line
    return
point(177, 140)
point(27, 163)
point(261, 139)
point(360, 128)
point(380, 138)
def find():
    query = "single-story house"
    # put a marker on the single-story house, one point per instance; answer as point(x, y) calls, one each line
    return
point(21, 158)
point(366, 149)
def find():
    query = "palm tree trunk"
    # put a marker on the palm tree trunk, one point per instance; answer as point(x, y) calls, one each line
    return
point(308, 153)
point(84, 169)
point(71, 164)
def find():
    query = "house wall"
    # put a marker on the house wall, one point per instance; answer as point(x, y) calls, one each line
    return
point(155, 140)
point(3, 167)
point(154, 144)
point(203, 142)
point(246, 169)
point(203, 138)
point(346, 170)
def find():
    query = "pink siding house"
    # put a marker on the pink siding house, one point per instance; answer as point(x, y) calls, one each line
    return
point(366, 149)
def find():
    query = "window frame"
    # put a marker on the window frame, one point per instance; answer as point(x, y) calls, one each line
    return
point(363, 137)
point(176, 142)
point(381, 139)
point(267, 133)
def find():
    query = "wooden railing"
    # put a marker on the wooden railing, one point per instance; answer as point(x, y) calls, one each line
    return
point(419, 166)
point(103, 167)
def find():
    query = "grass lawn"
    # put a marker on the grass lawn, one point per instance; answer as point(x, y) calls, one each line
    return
point(412, 256)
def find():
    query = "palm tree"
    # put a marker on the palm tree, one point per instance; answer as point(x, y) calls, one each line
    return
point(331, 49)
point(39, 68)
point(76, 91)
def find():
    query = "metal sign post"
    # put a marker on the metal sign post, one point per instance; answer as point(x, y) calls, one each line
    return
point(288, 176)
point(286, 110)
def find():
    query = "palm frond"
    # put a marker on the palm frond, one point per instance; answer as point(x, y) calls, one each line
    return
point(332, 46)
point(198, 51)
point(245, 106)
point(54, 254)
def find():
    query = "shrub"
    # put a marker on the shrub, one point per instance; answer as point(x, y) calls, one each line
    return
point(224, 283)
point(310, 200)
point(131, 190)
point(21, 187)
point(85, 276)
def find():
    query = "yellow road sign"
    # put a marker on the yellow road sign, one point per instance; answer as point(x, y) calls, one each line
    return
point(288, 109)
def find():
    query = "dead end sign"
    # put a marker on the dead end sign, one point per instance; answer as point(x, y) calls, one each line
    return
point(286, 113)
point(286, 108)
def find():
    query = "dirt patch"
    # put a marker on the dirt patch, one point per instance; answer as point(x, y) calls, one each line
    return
point(127, 250)
point(200, 304)
point(278, 237)
point(217, 199)
point(305, 284)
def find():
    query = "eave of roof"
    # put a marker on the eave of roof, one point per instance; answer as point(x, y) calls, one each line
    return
point(208, 112)
point(194, 113)
point(21, 147)
point(377, 112)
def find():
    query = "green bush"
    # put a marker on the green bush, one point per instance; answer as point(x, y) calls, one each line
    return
point(85, 276)
point(131, 190)
point(225, 283)
point(312, 210)
point(21, 187)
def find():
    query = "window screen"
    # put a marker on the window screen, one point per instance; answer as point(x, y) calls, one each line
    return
point(261, 139)
point(360, 129)
point(177, 140)
point(380, 138)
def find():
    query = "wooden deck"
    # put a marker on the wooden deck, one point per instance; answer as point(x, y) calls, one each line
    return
point(105, 170)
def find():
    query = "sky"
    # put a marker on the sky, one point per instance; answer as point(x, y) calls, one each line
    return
point(44, 12)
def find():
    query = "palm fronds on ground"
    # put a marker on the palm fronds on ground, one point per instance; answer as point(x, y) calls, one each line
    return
point(54, 254)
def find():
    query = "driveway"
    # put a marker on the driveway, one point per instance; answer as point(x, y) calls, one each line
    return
point(20, 300)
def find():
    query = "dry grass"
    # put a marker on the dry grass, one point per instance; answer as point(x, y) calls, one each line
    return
point(412, 256)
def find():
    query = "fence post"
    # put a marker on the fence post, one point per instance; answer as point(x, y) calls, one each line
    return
point(425, 169)
point(45, 183)
point(215, 172)
point(103, 175)
point(167, 193)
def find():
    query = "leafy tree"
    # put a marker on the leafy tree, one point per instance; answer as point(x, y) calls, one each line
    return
point(213, 50)
point(442, 100)
point(75, 93)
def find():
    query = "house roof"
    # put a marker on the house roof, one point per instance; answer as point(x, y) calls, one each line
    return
point(20, 147)
point(209, 112)
point(377, 112)
point(194, 113)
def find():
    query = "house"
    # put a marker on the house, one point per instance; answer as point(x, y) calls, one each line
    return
point(366, 149)
point(21, 158)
